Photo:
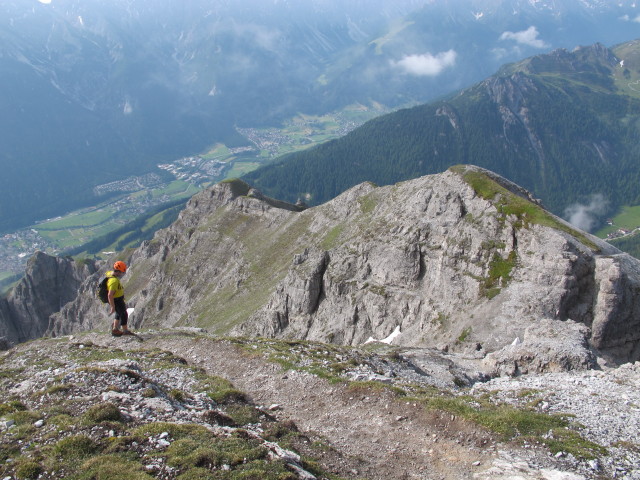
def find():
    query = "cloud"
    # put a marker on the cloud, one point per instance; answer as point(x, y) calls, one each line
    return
point(525, 37)
point(46, 2)
point(627, 18)
point(260, 36)
point(127, 109)
point(427, 65)
point(586, 216)
point(500, 53)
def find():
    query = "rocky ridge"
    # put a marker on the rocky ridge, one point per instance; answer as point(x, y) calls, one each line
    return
point(464, 260)
point(297, 410)
point(48, 284)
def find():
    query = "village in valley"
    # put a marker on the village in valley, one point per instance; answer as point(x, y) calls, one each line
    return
point(620, 232)
point(133, 196)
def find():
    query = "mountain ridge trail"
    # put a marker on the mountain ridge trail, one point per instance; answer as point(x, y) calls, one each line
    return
point(410, 441)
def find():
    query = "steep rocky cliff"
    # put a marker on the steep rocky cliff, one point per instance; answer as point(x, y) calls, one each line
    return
point(48, 284)
point(462, 260)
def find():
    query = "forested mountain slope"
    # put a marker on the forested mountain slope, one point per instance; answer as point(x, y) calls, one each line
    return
point(563, 125)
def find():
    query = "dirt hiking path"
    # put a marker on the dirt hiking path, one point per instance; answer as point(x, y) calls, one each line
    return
point(368, 434)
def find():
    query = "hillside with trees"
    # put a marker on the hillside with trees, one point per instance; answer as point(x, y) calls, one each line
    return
point(564, 125)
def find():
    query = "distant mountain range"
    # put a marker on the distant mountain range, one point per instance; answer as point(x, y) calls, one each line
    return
point(565, 125)
point(96, 91)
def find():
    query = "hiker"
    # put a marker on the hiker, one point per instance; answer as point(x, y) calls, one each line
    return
point(115, 297)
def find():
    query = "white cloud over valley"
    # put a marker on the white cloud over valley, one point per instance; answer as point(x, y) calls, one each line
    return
point(427, 65)
point(585, 216)
point(526, 37)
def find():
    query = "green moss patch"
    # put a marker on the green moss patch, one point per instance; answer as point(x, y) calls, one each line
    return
point(508, 203)
point(554, 431)
point(112, 467)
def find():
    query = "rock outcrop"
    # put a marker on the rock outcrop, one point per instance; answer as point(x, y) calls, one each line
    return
point(464, 260)
point(48, 284)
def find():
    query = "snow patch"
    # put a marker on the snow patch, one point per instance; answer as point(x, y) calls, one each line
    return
point(387, 340)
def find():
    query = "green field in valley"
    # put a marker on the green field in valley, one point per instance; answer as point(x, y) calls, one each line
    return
point(628, 218)
point(83, 226)
point(240, 168)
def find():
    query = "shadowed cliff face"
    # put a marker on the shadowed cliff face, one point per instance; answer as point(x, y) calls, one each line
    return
point(48, 284)
point(463, 260)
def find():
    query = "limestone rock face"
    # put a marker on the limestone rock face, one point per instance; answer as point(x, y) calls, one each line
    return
point(431, 259)
point(49, 283)
point(548, 346)
point(464, 260)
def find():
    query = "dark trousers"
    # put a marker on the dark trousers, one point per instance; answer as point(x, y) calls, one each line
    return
point(121, 310)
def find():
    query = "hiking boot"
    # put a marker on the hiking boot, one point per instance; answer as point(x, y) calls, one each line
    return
point(128, 332)
point(116, 333)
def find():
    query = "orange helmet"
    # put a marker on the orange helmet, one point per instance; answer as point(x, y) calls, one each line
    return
point(120, 266)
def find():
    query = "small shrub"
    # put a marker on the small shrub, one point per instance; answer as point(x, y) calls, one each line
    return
point(74, 447)
point(214, 417)
point(569, 441)
point(177, 395)
point(103, 412)
point(58, 388)
point(236, 450)
point(112, 467)
point(62, 420)
point(148, 393)
point(8, 451)
point(464, 335)
point(243, 414)
point(11, 406)
point(279, 430)
point(187, 453)
point(198, 473)
point(222, 391)
point(29, 470)
point(263, 470)
point(25, 417)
